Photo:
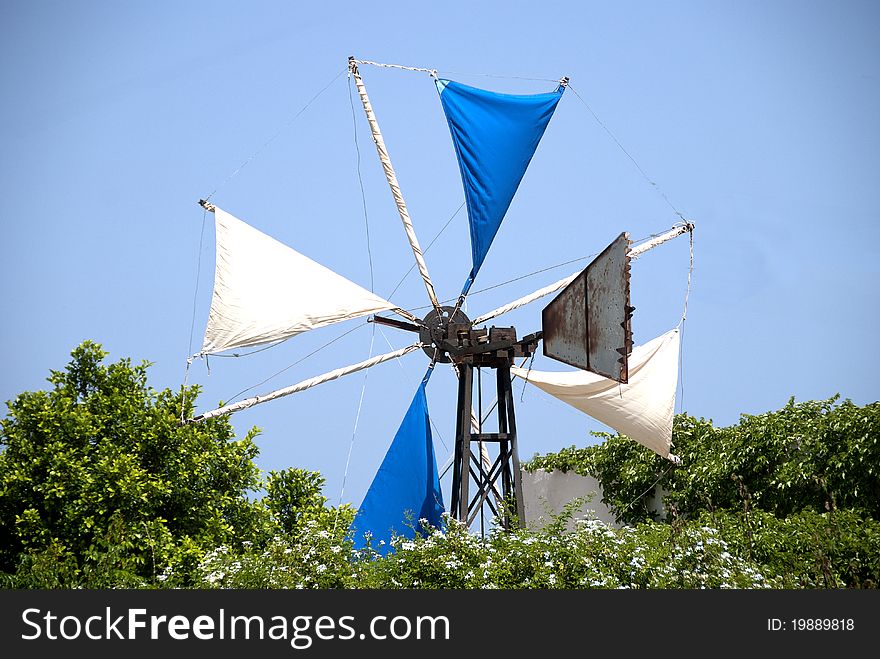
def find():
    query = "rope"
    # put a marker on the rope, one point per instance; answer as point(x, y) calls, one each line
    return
point(412, 267)
point(676, 231)
point(372, 287)
point(400, 363)
point(192, 326)
point(236, 355)
point(650, 488)
point(183, 391)
point(298, 361)
point(516, 304)
point(526, 379)
point(505, 77)
point(361, 184)
point(431, 72)
point(510, 281)
point(275, 136)
point(306, 384)
point(638, 249)
point(532, 274)
point(357, 418)
point(681, 326)
point(628, 155)
point(690, 275)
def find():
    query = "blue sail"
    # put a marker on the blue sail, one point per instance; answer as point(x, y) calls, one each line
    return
point(406, 488)
point(495, 136)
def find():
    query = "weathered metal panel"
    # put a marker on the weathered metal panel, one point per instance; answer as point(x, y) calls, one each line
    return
point(609, 335)
point(564, 323)
point(588, 325)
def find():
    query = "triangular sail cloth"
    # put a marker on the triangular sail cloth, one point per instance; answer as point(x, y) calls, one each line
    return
point(406, 488)
point(495, 136)
point(642, 409)
point(265, 291)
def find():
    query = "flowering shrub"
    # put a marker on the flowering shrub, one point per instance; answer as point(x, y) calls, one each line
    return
point(594, 555)
point(310, 558)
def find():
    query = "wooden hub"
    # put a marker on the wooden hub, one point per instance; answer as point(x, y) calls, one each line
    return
point(441, 329)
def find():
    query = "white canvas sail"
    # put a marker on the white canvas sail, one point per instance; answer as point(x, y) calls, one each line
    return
point(642, 409)
point(265, 291)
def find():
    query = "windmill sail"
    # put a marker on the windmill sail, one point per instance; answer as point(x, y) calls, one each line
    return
point(406, 489)
point(495, 136)
point(265, 291)
point(642, 409)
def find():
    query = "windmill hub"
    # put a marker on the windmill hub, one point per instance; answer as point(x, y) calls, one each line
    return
point(442, 329)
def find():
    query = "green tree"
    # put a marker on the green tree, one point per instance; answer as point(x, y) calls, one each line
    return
point(101, 484)
point(294, 498)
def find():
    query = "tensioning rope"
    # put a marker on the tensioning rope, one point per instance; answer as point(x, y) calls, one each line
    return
point(681, 216)
point(357, 150)
point(298, 361)
point(631, 503)
point(400, 363)
point(412, 267)
point(372, 287)
point(514, 279)
point(681, 326)
point(275, 135)
point(433, 72)
point(305, 384)
point(192, 327)
point(205, 205)
point(357, 418)
point(628, 154)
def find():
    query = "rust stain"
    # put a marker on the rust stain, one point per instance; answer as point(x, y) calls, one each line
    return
point(588, 325)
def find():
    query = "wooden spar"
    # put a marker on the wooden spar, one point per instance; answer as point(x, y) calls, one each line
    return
point(393, 184)
point(674, 232)
point(306, 384)
point(635, 252)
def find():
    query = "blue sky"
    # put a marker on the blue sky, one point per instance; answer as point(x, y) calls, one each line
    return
point(758, 121)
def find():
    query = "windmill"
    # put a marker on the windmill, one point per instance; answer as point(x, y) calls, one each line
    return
point(587, 325)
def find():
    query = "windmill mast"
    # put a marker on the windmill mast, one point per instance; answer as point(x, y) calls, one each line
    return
point(449, 337)
point(475, 480)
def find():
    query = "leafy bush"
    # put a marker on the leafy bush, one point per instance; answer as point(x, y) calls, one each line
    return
point(836, 549)
point(816, 455)
point(796, 490)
